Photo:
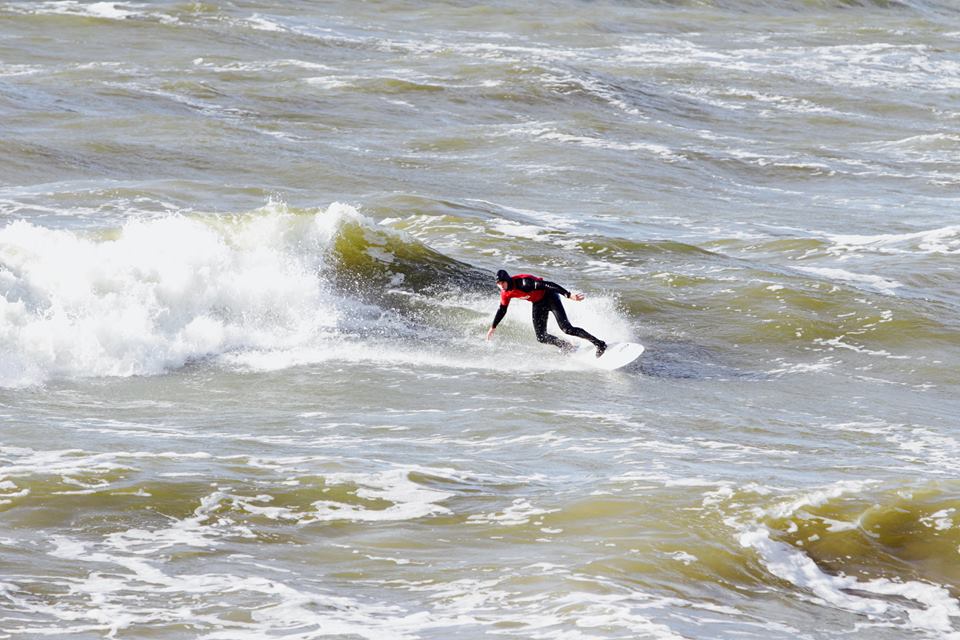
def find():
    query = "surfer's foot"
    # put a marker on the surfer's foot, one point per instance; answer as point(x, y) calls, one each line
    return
point(601, 348)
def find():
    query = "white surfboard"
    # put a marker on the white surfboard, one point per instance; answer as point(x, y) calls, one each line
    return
point(618, 354)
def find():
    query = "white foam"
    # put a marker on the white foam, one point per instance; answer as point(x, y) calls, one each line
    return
point(547, 131)
point(605, 610)
point(161, 292)
point(932, 607)
point(8, 70)
point(786, 368)
point(936, 605)
point(264, 24)
point(795, 567)
point(684, 557)
point(599, 143)
point(945, 240)
point(942, 520)
point(600, 315)
point(878, 283)
point(903, 67)
point(502, 354)
point(513, 347)
point(106, 10)
point(109, 601)
point(552, 219)
point(123, 579)
point(518, 513)
point(190, 532)
point(935, 450)
point(261, 65)
point(407, 499)
point(111, 10)
point(328, 82)
point(838, 343)
point(926, 148)
point(518, 230)
point(819, 497)
point(65, 463)
point(245, 291)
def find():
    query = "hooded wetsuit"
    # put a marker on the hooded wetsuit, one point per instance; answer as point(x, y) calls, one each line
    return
point(545, 297)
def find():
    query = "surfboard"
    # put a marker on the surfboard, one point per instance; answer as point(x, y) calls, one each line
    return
point(617, 355)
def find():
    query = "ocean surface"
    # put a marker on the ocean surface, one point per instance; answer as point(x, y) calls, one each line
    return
point(246, 270)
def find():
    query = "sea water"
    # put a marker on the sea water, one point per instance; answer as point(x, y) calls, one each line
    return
point(246, 269)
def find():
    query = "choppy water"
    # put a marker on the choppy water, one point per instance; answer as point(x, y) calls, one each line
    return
point(246, 252)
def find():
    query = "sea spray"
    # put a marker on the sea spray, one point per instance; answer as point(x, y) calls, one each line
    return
point(159, 293)
point(274, 285)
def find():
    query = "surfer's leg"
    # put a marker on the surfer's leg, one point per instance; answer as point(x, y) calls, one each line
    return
point(556, 306)
point(541, 311)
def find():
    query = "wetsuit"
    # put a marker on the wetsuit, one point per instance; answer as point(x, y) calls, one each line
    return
point(545, 297)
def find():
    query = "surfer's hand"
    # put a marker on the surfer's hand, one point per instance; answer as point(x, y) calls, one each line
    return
point(490, 334)
point(576, 296)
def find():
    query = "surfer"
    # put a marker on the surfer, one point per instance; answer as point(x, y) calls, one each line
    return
point(545, 297)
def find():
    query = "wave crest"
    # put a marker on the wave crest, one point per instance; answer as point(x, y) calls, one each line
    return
point(154, 295)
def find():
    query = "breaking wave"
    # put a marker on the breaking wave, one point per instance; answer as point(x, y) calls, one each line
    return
point(270, 289)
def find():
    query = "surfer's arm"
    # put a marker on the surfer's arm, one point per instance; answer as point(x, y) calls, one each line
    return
point(528, 284)
point(502, 311)
point(553, 286)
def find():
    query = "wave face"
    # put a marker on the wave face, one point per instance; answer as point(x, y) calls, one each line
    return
point(865, 548)
point(154, 295)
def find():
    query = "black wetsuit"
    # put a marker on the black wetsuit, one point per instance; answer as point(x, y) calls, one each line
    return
point(545, 297)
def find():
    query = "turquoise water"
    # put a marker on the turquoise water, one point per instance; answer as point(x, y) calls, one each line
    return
point(246, 264)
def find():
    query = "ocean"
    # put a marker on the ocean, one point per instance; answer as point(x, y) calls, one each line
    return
point(247, 257)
